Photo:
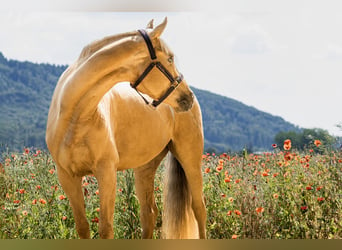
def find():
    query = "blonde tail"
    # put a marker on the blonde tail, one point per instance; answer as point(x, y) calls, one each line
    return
point(178, 218)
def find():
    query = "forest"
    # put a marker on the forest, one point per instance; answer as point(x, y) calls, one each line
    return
point(26, 90)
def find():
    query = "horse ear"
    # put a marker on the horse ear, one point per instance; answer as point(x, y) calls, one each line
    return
point(150, 24)
point(156, 33)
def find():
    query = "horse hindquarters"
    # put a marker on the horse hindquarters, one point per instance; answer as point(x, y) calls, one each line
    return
point(178, 218)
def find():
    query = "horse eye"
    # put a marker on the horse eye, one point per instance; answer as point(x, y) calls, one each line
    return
point(170, 59)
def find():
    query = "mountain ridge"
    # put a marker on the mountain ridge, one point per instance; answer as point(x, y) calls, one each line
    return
point(26, 90)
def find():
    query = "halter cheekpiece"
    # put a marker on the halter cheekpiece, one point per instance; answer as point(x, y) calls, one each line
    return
point(173, 81)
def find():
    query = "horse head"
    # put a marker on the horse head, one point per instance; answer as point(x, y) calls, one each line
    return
point(160, 78)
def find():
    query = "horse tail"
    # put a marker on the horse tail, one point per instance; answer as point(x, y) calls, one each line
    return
point(178, 218)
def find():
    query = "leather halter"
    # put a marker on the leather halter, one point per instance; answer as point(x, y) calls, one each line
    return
point(173, 81)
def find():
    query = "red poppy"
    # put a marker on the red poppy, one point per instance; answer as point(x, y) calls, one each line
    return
point(234, 236)
point(287, 144)
point(308, 188)
point(61, 197)
point(304, 208)
point(42, 201)
point(237, 212)
point(259, 210)
point(317, 143)
point(96, 220)
point(265, 174)
point(274, 145)
point(219, 168)
point(227, 180)
point(288, 156)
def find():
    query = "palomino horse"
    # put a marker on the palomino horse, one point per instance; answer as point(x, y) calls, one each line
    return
point(95, 127)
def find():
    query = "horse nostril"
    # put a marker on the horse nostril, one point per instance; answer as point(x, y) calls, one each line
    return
point(185, 102)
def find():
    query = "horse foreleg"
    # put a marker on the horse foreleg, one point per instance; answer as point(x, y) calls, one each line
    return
point(106, 178)
point(144, 185)
point(73, 189)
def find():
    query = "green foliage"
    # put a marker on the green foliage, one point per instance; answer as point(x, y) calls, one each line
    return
point(301, 140)
point(265, 196)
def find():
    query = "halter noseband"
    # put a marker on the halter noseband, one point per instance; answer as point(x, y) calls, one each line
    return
point(174, 81)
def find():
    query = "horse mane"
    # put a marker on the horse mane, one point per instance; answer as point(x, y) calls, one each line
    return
point(96, 45)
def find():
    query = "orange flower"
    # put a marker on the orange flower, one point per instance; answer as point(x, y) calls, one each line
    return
point(219, 168)
point(207, 170)
point(259, 210)
point(234, 236)
point(42, 201)
point(317, 143)
point(64, 217)
point(275, 196)
point(34, 202)
point(227, 180)
point(237, 212)
point(287, 144)
point(61, 197)
point(51, 171)
point(288, 156)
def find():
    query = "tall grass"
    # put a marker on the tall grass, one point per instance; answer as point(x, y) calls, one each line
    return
point(280, 195)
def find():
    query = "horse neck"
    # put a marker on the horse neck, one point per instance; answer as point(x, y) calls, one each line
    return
point(82, 86)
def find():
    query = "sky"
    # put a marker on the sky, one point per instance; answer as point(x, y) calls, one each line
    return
point(281, 57)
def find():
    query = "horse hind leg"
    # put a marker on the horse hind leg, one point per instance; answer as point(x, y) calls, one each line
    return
point(144, 185)
point(73, 189)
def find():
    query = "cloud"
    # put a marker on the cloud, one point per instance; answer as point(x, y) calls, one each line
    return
point(334, 52)
point(251, 41)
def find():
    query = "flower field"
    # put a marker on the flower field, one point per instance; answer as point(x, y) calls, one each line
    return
point(282, 194)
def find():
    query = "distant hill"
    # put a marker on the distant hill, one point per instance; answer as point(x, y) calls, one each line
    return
point(230, 125)
point(26, 89)
point(25, 94)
